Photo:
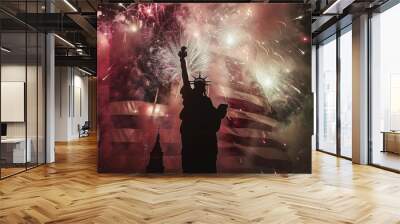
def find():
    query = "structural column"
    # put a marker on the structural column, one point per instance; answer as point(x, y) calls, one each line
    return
point(50, 92)
point(360, 90)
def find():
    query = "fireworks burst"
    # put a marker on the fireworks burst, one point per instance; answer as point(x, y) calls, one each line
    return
point(272, 55)
point(169, 63)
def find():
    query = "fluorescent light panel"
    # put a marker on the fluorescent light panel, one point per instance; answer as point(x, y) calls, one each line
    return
point(338, 6)
point(70, 5)
point(331, 7)
point(86, 72)
point(64, 40)
point(5, 50)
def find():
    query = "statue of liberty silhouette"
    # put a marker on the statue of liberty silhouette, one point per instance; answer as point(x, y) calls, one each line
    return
point(200, 123)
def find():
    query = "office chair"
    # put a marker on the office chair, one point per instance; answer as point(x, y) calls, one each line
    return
point(84, 130)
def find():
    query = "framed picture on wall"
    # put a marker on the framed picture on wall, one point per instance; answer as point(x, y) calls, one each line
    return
point(204, 88)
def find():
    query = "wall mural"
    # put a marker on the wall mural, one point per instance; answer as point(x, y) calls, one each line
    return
point(204, 88)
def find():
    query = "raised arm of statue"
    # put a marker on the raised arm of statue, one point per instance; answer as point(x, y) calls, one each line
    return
point(182, 54)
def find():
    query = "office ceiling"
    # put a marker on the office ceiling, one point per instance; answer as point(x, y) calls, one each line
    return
point(75, 21)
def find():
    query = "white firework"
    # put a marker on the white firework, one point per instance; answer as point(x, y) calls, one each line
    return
point(169, 62)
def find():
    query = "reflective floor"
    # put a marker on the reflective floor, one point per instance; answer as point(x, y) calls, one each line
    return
point(387, 159)
point(71, 191)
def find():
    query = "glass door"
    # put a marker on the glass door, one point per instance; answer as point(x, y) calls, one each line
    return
point(326, 104)
point(346, 95)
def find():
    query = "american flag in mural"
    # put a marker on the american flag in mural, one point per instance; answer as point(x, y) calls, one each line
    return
point(139, 84)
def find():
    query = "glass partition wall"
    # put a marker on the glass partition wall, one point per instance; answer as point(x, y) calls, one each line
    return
point(334, 93)
point(327, 95)
point(346, 74)
point(22, 87)
point(385, 89)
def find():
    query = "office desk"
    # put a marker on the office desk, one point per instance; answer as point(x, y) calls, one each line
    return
point(391, 141)
point(13, 150)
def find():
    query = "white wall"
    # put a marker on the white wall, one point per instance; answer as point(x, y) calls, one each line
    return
point(33, 127)
point(10, 73)
point(16, 73)
point(80, 111)
point(61, 103)
point(71, 94)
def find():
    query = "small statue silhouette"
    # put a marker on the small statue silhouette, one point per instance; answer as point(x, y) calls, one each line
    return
point(156, 164)
point(200, 124)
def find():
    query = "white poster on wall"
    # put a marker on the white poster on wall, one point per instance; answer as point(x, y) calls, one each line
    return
point(12, 101)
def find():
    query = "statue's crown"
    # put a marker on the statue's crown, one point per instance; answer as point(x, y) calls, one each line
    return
point(200, 79)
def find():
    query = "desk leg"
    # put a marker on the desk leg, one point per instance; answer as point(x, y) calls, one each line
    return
point(384, 142)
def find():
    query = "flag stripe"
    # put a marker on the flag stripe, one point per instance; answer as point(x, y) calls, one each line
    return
point(145, 122)
point(132, 107)
point(141, 122)
point(140, 108)
point(252, 116)
point(245, 132)
point(251, 141)
point(168, 136)
point(240, 95)
point(245, 105)
point(246, 123)
point(264, 152)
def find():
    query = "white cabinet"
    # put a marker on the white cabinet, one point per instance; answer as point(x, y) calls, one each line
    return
point(16, 148)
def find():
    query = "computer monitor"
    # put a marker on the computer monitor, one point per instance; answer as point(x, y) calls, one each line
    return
point(3, 129)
